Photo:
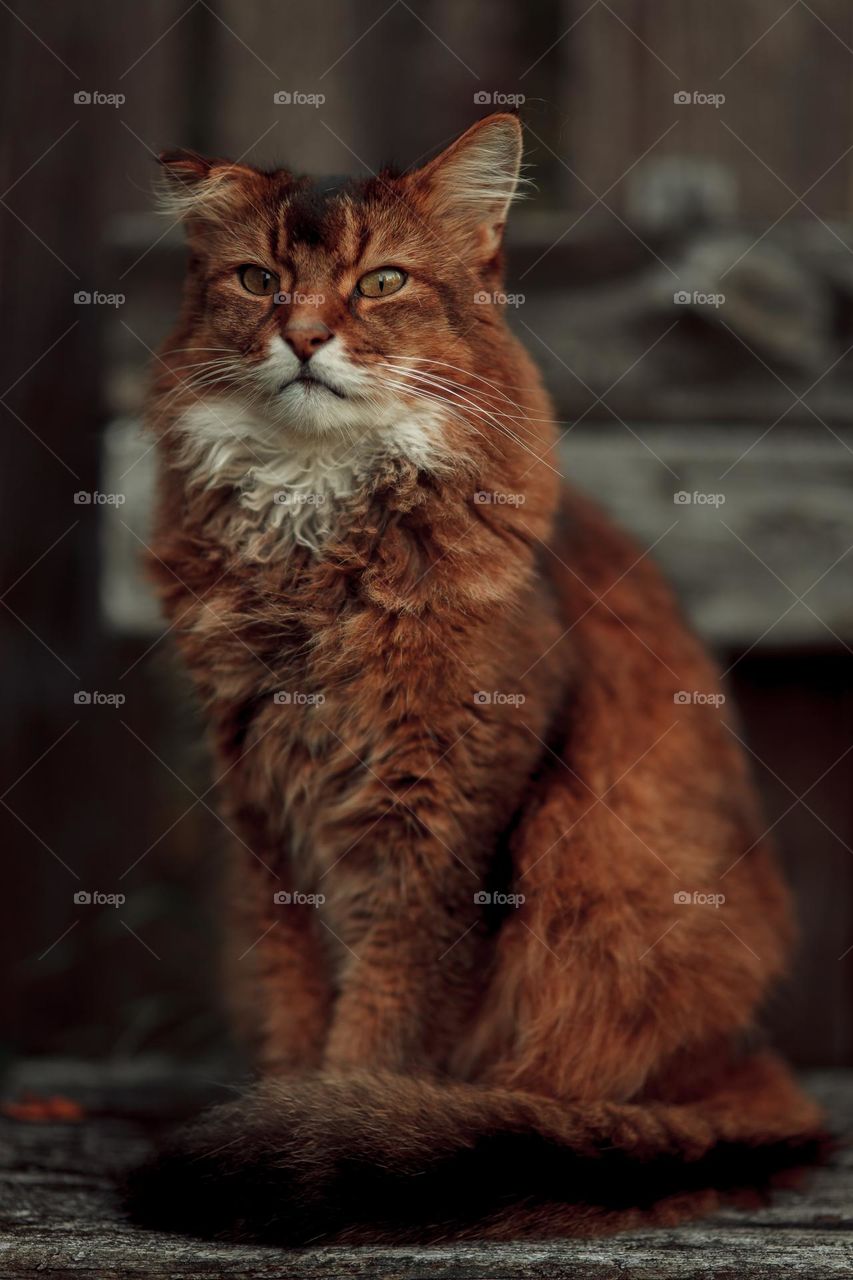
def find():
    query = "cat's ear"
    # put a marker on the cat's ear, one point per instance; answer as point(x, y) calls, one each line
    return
point(194, 187)
point(470, 185)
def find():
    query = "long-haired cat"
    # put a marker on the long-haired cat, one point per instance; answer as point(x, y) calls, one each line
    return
point(506, 907)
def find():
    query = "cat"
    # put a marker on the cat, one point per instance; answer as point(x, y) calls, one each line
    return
point(505, 909)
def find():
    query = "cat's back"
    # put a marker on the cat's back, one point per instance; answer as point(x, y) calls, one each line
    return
point(617, 601)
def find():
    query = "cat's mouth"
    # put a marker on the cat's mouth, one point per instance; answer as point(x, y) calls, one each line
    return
point(312, 385)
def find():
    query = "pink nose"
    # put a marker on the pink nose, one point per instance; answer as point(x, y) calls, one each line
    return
point(306, 336)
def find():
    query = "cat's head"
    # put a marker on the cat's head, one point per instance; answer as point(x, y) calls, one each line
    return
point(343, 307)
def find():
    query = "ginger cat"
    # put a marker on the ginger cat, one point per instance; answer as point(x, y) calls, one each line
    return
point(467, 807)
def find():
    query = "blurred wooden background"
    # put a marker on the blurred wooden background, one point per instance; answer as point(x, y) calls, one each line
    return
point(640, 196)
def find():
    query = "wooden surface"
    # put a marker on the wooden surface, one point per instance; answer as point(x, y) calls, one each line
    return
point(59, 1214)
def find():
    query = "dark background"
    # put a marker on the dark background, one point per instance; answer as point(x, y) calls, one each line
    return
point(639, 196)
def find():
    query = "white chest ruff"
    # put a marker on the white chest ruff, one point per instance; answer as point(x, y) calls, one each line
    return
point(291, 483)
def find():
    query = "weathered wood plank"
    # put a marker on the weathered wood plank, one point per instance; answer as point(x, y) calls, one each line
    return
point(766, 519)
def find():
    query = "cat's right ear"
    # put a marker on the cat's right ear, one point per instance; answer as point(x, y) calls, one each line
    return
point(194, 188)
point(470, 185)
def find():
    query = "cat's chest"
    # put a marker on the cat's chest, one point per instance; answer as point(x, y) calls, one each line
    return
point(292, 492)
point(311, 768)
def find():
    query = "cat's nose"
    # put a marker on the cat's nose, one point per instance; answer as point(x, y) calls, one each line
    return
point(306, 336)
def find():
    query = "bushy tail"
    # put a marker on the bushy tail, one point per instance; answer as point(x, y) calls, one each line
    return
point(367, 1158)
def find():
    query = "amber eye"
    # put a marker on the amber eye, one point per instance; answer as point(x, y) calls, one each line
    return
point(378, 284)
point(258, 280)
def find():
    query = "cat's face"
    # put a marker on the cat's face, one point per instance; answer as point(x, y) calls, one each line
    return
point(343, 309)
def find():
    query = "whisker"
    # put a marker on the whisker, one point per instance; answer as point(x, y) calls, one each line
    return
point(511, 386)
point(529, 416)
point(452, 389)
point(489, 418)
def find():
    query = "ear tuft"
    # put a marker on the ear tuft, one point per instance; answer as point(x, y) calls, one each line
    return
point(184, 166)
point(193, 186)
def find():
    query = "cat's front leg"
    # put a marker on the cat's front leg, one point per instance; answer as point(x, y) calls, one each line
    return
point(280, 985)
point(411, 949)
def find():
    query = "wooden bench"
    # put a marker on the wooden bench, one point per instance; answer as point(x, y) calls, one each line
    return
point(59, 1215)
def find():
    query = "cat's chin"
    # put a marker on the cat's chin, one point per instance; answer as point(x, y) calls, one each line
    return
point(315, 409)
point(319, 416)
point(309, 385)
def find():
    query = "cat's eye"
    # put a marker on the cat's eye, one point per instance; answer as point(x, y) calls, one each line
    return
point(258, 280)
point(378, 284)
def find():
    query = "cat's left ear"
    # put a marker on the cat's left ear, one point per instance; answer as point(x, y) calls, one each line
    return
point(470, 185)
point(199, 190)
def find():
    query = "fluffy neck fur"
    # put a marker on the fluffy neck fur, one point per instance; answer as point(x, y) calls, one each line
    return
point(297, 490)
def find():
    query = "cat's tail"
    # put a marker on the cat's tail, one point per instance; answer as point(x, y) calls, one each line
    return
point(367, 1158)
